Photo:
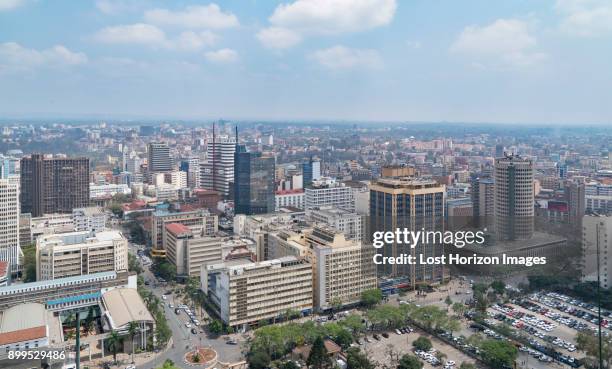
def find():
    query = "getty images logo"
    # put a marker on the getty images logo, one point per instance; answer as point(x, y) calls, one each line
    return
point(413, 238)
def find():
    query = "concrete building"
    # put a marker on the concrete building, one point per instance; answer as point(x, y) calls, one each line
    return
point(109, 190)
point(92, 219)
point(311, 171)
point(53, 184)
point(65, 293)
point(597, 233)
point(459, 213)
point(201, 218)
point(341, 220)
point(5, 273)
point(244, 293)
point(328, 192)
point(483, 202)
point(343, 268)
point(159, 159)
point(413, 204)
point(188, 249)
point(10, 250)
point(80, 253)
point(289, 198)
point(25, 327)
point(514, 198)
point(217, 170)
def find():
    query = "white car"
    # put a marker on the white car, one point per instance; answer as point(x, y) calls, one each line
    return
point(188, 325)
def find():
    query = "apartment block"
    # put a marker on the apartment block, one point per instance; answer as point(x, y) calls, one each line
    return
point(328, 192)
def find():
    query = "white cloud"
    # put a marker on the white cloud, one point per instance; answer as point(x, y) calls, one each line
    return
point(10, 4)
point(291, 22)
point(139, 33)
point(508, 41)
point(150, 35)
point(15, 56)
point(413, 44)
point(585, 17)
point(341, 57)
point(278, 38)
point(190, 40)
point(222, 56)
point(197, 16)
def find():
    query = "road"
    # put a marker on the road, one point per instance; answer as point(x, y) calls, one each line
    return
point(182, 338)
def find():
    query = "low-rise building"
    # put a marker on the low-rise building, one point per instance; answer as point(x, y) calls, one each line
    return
point(79, 253)
point(92, 219)
point(342, 220)
point(244, 292)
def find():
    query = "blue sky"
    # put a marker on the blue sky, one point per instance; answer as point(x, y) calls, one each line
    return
point(514, 61)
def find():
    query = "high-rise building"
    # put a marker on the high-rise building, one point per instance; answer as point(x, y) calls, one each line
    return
point(53, 184)
point(596, 242)
point(159, 159)
point(10, 250)
point(414, 204)
point(514, 198)
point(243, 292)
point(217, 170)
point(311, 170)
point(254, 187)
point(499, 150)
point(483, 202)
point(328, 192)
point(576, 202)
point(78, 253)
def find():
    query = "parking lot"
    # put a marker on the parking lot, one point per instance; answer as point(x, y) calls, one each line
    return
point(380, 350)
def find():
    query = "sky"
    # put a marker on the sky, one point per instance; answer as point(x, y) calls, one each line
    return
point(513, 61)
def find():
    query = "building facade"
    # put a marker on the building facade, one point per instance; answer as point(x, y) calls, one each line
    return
point(10, 250)
point(514, 198)
point(53, 184)
point(416, 205)
point(80, 253)
point(253, 182)
point(217, 171)
point(328, 192)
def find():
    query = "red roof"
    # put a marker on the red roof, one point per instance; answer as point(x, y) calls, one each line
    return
point(177, 228)
point(287, 192)
point(3, 268)
point(23, 335)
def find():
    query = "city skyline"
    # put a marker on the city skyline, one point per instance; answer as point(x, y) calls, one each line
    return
point(374, 60)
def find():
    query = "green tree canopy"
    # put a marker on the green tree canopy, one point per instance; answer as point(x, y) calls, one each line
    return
point(410, 362)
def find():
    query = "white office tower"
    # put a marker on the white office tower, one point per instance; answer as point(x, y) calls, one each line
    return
point(327, 192)
point(596, 244)
point(193, 172)
point(217, 171)
point(9, 222)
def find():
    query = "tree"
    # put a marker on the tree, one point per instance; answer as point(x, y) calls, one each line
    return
point(215, 326)
point(466, 365)
point(133, 264)
point(422, 343)
point(589, 344)
point(336, 304)
point(482, 303)
point(459, 309)
point(371, 297)
point(113, 341)
point(498, 354)
point(344, 338)
point(448, 302)
point(132, 329)
point(410, 362)
point(29, 262)
point(258, 360)
point(479, 288)
point(318, 358)
point(452, 325)
point(357, 360)
point(168, 364)
point(353, 323)
point(499, 287)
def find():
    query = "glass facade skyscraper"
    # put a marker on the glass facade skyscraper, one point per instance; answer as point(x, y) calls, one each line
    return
point(253, 182)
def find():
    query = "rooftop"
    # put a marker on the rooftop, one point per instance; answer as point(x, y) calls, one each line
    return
point(24, 316)
point(178, 229)
point(124, 305)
